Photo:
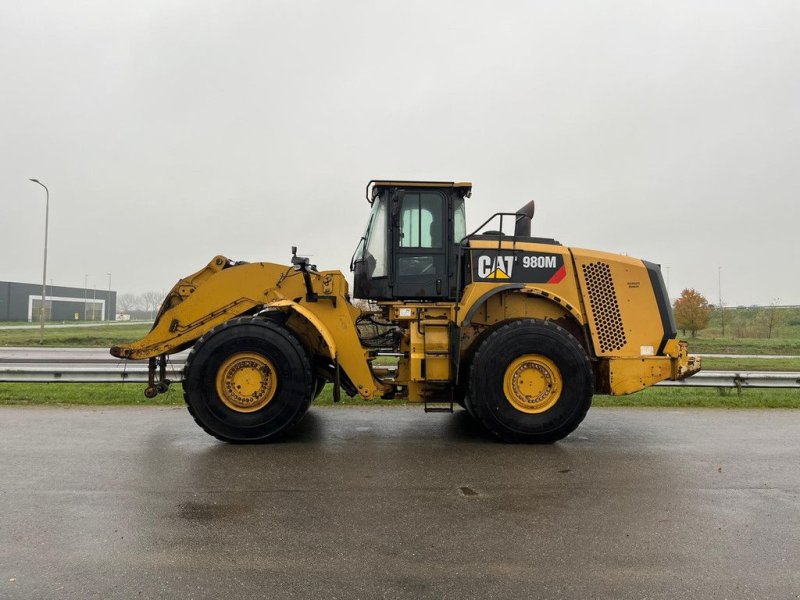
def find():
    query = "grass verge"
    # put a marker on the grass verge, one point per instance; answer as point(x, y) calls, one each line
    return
point(102, 336)
point(87, 394)
point(705, 398)
point(743, 346)
point(751, 364)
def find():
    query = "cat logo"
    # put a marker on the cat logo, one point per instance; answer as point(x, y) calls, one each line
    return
point(520, 267)
point(495, 267)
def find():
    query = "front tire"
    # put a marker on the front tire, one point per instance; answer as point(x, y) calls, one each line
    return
point(530, 381)
point(248, 380)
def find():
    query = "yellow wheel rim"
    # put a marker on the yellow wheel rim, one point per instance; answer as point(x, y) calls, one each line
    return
point(532, 383)
point(246, 382)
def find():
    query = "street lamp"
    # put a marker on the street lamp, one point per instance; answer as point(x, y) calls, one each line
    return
point(108, 299)
point(44, 268)
point(721, 308)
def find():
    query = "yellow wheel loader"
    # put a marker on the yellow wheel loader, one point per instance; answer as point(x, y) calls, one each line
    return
point(519, 330)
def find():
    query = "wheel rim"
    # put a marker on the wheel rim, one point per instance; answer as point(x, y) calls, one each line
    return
point(246, 382)
point(532, 383)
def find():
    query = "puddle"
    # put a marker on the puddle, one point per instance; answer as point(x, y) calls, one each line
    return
point(200, 511)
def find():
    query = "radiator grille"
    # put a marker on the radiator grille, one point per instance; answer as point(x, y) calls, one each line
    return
point(605, 308)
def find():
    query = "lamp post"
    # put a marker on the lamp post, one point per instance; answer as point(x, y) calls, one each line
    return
point(85, 294)
point(108, 299)
point(44, 268)
point(721, 308)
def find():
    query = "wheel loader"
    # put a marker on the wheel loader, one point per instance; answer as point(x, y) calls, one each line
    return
point(521, 331)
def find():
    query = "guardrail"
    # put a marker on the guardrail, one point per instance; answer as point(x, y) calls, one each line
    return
point(136, 372)
point(89, 373)
point(739, 379)
point(77, 365)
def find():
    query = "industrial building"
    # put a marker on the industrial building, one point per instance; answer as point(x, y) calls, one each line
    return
point(23, 302)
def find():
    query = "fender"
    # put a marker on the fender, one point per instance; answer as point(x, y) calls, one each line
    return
point(323, 331)
point(336, 327)
point(484, 297)
point(536, 291)
point(521, 288)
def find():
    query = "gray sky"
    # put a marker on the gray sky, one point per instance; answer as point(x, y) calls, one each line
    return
point(171, 131)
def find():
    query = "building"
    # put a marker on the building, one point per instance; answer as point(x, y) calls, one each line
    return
point(23, 301)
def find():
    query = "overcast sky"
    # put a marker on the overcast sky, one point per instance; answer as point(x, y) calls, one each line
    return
point(171, 131)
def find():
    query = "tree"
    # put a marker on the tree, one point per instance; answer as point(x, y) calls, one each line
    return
point(771, 318)
point(126, 303)
point(692, 311)
point(152, 300)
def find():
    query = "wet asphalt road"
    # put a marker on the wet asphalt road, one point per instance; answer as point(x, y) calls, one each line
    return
point(393, 503)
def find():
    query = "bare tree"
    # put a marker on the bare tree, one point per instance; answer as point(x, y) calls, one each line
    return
point(126, 303)
point(772, 317)
point(152, 300)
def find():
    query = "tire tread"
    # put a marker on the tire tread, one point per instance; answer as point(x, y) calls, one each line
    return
point(288, 336)
point(480, 411)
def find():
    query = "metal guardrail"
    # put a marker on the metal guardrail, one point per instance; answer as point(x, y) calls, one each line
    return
point(738, 379)
point(136, 372)
point(77, 365)
point(88, 373)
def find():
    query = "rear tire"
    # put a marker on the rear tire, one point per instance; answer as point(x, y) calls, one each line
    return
point(247, 380)
point(531, 381)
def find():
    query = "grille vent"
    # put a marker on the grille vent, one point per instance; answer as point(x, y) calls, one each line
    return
point(605, 308)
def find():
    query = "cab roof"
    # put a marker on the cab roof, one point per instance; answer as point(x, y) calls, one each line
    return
point(375, 185)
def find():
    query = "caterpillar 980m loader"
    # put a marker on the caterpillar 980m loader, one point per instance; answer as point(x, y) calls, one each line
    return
point(519, 330)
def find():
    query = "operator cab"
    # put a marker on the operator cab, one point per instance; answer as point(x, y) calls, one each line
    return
point(409, 250)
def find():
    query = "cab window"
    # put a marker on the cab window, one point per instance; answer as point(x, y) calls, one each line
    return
point(375, 254)
point(421, 217)
point(459, 221)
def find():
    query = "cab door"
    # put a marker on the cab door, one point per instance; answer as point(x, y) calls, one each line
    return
point(420, 244)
